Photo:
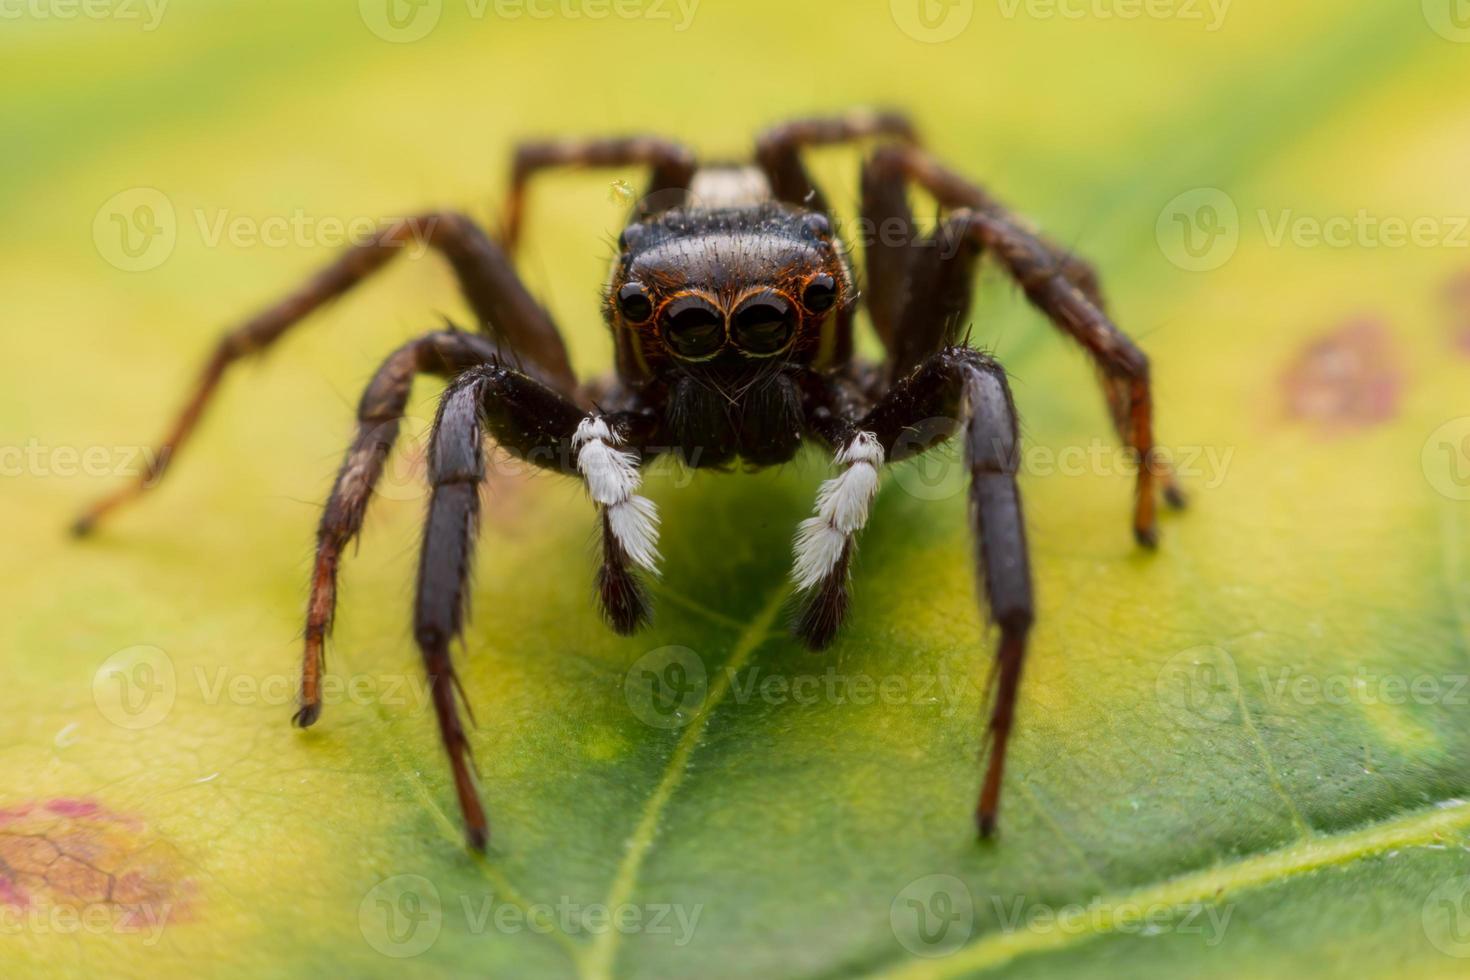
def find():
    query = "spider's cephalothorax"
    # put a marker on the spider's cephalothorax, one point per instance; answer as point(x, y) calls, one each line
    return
point(718, 314)
point(731, 308)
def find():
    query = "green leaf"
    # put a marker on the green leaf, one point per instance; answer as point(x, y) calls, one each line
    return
point(1244, 755)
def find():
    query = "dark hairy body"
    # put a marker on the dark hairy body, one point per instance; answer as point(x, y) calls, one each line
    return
point(731, 306)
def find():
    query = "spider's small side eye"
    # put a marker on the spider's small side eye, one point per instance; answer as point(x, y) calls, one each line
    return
point(693, 327)
point(821, 293)
point(816, 225)
point(634, 303)
point(631, 237)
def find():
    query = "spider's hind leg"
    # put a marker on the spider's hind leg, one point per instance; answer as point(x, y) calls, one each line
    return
point(671, 167)
point(778, 149)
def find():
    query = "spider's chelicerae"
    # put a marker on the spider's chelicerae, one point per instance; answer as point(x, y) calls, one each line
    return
point(731, 306)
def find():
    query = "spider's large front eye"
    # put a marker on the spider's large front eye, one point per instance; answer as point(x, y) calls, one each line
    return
point(634, 304)
point(764, 324)
point(693, 327)
point(820, 293)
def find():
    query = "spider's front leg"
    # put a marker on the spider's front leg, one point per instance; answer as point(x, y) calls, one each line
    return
point(544, 427)
point(379, 415)
point(969, 387)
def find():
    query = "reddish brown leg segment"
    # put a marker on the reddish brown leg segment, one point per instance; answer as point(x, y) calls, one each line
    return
point(445, 353)
point(507, 311)
point(671, 164)
point(1066, 289)
point(778, 149)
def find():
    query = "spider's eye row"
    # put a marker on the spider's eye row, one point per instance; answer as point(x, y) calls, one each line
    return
point(693, 327)
point(821, 293)
point(764, 324)
point(634, 304)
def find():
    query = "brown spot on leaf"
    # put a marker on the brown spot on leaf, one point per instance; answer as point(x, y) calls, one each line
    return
point(1457, 299)
point(1345, 380)
point(77, 855)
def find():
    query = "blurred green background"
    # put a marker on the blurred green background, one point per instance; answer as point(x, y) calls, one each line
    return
point(1276, 197)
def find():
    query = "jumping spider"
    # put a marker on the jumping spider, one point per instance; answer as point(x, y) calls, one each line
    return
point(731, 307)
